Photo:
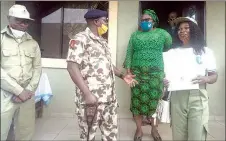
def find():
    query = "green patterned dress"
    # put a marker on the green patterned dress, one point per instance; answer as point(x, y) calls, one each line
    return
point(144, 58)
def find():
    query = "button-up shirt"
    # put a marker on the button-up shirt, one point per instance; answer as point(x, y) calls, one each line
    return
point(20, 63)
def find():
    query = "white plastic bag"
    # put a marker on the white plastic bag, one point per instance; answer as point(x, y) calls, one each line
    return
point(44, 90)
point(163, 110)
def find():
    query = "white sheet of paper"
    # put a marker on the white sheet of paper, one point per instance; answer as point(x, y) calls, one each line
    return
point(176, 85)
point(178, 72)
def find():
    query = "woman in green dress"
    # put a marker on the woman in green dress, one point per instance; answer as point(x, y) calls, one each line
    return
point(144, 59)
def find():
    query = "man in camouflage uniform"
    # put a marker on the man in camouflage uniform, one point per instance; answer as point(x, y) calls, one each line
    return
point(20, 74)
point(91, 69)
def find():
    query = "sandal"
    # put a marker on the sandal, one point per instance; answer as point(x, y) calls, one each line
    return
point(155, 135)
point(137, 138)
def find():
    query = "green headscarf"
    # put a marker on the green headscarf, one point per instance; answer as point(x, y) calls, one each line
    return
point(153, 15)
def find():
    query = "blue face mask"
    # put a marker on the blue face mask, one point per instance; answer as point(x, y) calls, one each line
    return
point(145, 25)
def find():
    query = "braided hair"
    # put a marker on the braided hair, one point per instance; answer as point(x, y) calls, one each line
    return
point(197, 41)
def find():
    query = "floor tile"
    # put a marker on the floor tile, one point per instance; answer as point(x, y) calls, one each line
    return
point(71, 128)
point(44, 136)
point(217, 130)
point(67, 129)
point(127, 129)
point(60, 115)
point(73, 137)
point(165, 131)
point(51, 125)
point(67, 137)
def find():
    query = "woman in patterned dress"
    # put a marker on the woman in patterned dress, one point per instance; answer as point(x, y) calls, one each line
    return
point(144, 59)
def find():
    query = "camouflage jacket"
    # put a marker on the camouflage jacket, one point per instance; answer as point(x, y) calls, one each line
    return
point(94, 58)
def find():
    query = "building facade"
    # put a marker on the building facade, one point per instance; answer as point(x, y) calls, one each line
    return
point(123, 20)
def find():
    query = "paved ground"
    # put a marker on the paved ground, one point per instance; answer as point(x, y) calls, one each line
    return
point(67, 129)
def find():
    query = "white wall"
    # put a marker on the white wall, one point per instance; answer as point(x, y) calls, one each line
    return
point(127, 23)
point(5, 5)
point(215, 30)
point(62, 103)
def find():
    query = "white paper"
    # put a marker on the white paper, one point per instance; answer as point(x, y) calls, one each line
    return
point(176, 85)
point(179, 73)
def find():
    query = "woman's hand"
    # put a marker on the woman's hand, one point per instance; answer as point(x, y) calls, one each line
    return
point(200, 80)
point(129, 79)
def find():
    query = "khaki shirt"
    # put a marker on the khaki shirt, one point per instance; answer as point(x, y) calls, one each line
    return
point(93, 56)
point(20, 63)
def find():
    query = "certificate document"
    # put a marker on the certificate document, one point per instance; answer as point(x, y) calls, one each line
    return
point(179, 71)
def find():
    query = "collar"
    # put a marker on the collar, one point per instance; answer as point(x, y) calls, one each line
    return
point(9, 32)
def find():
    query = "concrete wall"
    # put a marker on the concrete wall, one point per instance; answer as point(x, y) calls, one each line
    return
point(215, 29)
point(62, 103)
point(128, 12)
point(5, 5)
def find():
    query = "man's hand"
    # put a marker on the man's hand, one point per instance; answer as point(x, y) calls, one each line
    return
point(200, 80)
point(25, 95)
point(166, 83)
point(16, 99)
point(129, 79)
point(90, 99)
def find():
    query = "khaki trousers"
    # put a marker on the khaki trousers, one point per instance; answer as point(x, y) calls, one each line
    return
point(189, 115)
point(22, 115)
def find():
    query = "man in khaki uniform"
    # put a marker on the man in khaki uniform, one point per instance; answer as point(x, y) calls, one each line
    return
point(91, 69)
point(20, 74)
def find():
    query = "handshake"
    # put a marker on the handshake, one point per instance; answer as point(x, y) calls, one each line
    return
point(23, 96)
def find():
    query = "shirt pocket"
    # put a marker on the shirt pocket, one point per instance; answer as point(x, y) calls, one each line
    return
point(29, 56)
point(101, 65)
point(10, 57)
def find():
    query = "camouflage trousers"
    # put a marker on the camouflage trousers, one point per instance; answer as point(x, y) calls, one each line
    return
point(106, 120)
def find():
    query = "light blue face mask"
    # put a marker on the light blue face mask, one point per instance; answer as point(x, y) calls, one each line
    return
point(146, 26)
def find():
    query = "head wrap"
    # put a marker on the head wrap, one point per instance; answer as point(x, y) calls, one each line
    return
point(153, 15)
